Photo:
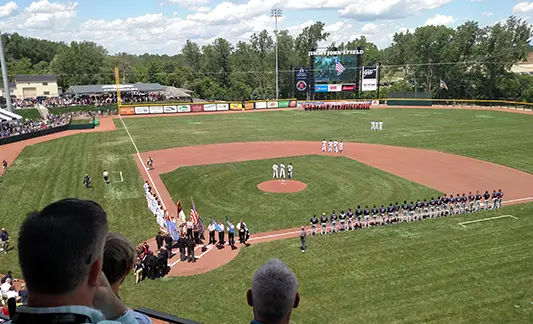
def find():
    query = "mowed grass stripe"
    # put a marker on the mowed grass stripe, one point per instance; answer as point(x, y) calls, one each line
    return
point(333, 183)
point(422, 272)
point(494, 136)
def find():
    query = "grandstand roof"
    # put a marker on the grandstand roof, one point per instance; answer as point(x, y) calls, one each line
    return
point(36, 78)
point(103, 88)
point(178, 92)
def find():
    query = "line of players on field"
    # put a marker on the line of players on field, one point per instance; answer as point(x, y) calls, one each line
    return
point(442, 206)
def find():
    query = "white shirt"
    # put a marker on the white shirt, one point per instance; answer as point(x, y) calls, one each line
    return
point(211, 227)
point(12, 294)
point(380, 124)
point(275, 167)
point(324, 143)
point(221, 227)
point(146, 186)
point(4, 288)
point(335, 143)
point(282, 166)
point(341, 145)
point(289, 168)
point(106, 174)
point(330, 143)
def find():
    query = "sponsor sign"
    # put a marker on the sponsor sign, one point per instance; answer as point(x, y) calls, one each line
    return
point(170, 109)
point(302, 78)
point(370, 79)
point(248, 105)
point(293, 104)
point(156, 109)
point(142, 110)
point(336, 53)
point(221, 107)
point(334, 87)
point(235, 106)
point(321, 88)
point(127, 111)
point(210, 107)
point(197, 108)
point(184, 108)
point(272, 104)
point(348, 87)
point(283, 103)
point(260, 105)
point(375, 102)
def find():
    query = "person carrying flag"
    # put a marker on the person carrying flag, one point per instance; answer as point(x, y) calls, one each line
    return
point(231, 232)
point(220, 230)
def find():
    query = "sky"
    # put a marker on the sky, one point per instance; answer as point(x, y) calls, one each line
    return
point(163, 26)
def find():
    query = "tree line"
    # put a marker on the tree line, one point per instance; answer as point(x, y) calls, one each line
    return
point(473, 61)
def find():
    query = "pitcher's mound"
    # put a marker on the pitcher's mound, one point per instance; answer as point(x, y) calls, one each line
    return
point(282, 186)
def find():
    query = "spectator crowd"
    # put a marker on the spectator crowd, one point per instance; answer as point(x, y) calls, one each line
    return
point(98, 100)
point(28, 126)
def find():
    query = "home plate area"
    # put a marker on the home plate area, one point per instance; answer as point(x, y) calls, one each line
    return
point(282, 186)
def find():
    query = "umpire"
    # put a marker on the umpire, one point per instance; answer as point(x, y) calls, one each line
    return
point(303, 235)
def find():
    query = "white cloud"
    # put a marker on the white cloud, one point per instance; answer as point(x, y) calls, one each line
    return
point(371, 28)
point(229, 12)
point(8, 9)
point(523, 7)
point(190, 4)
point(487, 14)
point(439, 20)
point(366, 10)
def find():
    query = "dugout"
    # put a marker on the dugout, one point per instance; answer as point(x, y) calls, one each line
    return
point(404, 99)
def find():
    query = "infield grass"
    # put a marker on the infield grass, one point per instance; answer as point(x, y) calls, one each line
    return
point(423, 272)
point(333, 183)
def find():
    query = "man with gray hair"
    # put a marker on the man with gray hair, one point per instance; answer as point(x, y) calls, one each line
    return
point(60, 252)
point(274, 293)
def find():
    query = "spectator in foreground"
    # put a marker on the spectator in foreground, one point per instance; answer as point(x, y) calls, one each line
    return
point(64, 277)
point(274, 293)
point(119, 256)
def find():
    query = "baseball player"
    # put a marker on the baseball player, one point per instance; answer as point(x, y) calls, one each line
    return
point(382, 211)
point(451, 205)
point(412, 210)
point(4, 166)
point(463, 203)
point(106, 177)
point(341, 147)
point(500, 198)
point(458, 204)
point(390, 214)
point(330, 146)
point(324, 224)
point(432, 204)
point(380, 125)
point(150, 163)
point(494, 199)
point(87, 181)
point(425, 210)
point(478, 201)
point(471, 200)
point(289, 170)
point(313, 222)
point(486, 196)
point(373, 125)
point(438, 208)
point(282, 170)
point(419, 209)
point(275, 171)
point(324, 145)
point(342, 218)
point(333, 219)
point(335, 146)
point(358, 214)
point(350, 219)
point(375, 212)
point(366, 213)
point(405, 211)
point(444, 200)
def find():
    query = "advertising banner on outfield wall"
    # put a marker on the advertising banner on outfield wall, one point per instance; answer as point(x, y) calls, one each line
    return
point(197, 108)
point(283, 103)
point(334, 87)
point(235, 106)
point(156, 109)
point(272, 104)
point(222, 107)
point(127, 111)
point(210, 107)
point(248, 105)
point(170, 109)
point(260, 105)
point(184, 108)
point(370, 79)
point(142, 110)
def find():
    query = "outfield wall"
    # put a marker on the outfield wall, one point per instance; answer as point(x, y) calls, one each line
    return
point(22, 137)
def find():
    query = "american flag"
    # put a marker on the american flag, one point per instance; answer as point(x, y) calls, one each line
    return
point(339, 67)
point(194, 214)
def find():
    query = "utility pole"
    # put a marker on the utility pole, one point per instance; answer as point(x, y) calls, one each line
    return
point(276, 13)
point(7, 93)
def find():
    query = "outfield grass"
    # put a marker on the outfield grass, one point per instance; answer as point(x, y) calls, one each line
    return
point(54, 170)
point(333, 183)
point(424, 272)
point(500, 137)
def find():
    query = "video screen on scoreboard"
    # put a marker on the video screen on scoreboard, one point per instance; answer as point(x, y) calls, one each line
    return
point(326, 69)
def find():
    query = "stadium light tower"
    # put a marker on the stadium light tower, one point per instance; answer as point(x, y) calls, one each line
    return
point(276, 13)
point(7, 93)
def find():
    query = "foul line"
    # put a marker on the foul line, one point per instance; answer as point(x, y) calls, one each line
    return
point(486, 219)
point(142, 163)
point(273, 235)
point(197, 257)
point(517, 200)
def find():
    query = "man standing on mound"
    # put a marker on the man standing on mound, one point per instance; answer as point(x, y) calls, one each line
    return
point(282, 170)
point(275, 171)
point(289, 171)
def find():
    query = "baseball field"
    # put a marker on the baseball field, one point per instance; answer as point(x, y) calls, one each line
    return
point(435, 271)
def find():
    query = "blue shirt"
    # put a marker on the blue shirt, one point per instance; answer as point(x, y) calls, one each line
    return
point(94, 315)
